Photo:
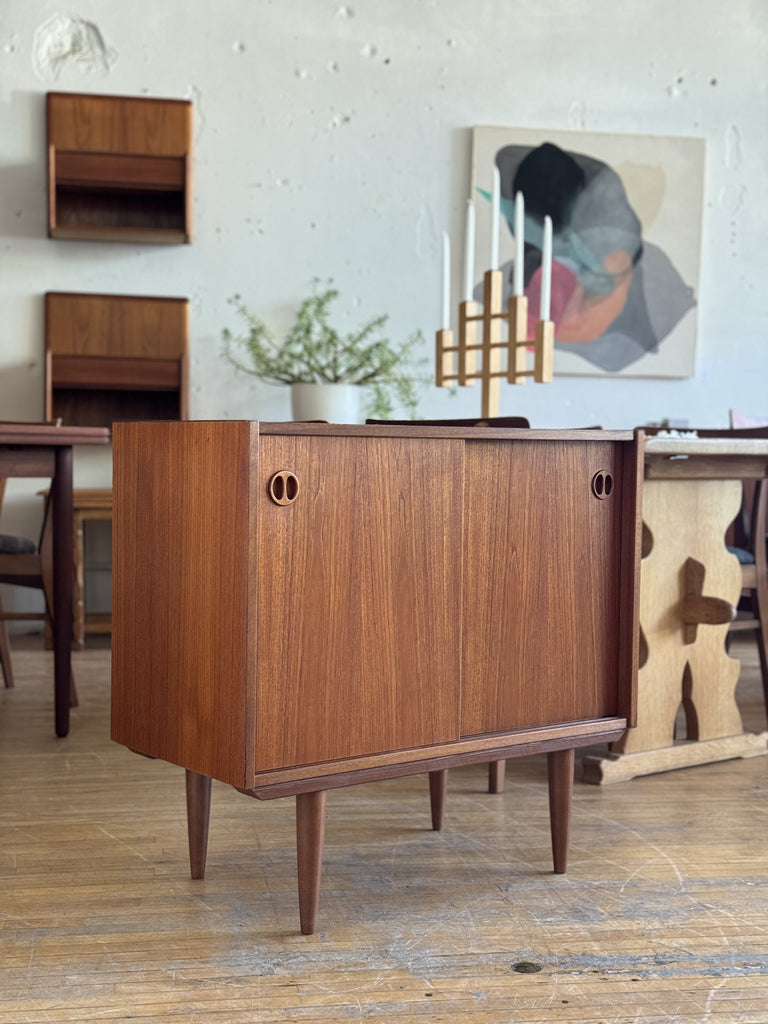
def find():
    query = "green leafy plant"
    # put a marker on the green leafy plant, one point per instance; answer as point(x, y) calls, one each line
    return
point(313, 351)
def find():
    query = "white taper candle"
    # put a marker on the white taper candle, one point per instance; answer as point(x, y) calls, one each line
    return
point(469, 252)
point(495, 215)
point(546, 270)
point(517, 278)
point(446, 281)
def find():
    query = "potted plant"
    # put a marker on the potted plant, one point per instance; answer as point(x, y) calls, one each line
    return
point(314, 354)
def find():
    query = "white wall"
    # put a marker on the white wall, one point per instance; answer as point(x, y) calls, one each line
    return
point(333, 139)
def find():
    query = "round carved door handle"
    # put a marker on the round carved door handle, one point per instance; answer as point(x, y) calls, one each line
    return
point(602, 484)
point(284, 487)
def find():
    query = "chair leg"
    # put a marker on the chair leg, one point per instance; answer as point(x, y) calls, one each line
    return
point(759, 595)
point(73, 701)
point(5, 654)
point(5, 651)
point(48, 594)
point(760, 604)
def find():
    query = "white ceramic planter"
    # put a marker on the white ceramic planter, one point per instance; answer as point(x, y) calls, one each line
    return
point(336, 403)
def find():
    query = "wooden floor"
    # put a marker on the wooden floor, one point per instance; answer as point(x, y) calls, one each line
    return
point(662, 917)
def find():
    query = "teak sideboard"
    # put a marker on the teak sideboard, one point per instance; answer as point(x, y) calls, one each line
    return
point(298, 607)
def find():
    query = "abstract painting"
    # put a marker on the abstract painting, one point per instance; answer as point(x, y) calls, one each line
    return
point(626, 212)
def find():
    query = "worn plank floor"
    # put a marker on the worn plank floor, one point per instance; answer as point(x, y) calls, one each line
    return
point(663, 916)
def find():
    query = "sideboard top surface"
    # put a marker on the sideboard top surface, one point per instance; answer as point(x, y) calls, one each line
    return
point(420, 430)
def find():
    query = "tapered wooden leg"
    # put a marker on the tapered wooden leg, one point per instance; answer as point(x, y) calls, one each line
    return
point(198, 814)
point(560, 766)
point(310, 836)
point(438, 785)
point(496, 772)
point(5, 654)
point(61, 495)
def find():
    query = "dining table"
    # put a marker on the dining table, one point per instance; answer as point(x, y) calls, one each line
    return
point(690, 586)
point(45, 450)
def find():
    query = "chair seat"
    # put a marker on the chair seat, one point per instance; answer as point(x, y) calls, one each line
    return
point(23, 563)
point(11, 545)
point(745, 557)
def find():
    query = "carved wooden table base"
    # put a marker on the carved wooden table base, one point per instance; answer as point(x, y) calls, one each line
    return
point(689, 584)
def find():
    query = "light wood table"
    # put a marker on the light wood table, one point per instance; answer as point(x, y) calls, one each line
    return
point(298, 607)
point(45, 450)
point(690, 586)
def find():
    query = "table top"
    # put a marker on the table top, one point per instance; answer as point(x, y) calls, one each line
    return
point(48, 434)
point(689, 444)
point(688, 457)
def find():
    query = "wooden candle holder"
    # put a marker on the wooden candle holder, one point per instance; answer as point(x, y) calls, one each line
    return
point(479, 353)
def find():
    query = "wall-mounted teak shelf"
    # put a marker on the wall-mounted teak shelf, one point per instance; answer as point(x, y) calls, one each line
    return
point(115, 357)
point(119, 168)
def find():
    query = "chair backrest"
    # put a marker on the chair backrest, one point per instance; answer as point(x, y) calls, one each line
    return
point(46, 529)
point(740, 420)
point(758, 533)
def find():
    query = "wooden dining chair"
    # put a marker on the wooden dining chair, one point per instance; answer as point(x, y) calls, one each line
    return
point(750, 549)
point(24, 564)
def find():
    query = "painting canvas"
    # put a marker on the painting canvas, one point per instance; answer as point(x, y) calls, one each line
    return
point(626, 213)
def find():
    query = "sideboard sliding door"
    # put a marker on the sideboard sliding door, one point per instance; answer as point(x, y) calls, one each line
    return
point(543, 556)
point(359, 590)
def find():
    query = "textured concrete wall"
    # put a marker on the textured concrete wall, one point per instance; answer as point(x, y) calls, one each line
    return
point(333, 140)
